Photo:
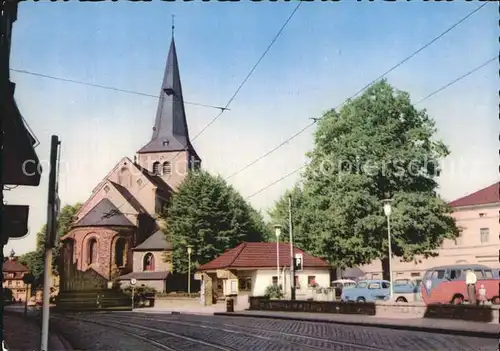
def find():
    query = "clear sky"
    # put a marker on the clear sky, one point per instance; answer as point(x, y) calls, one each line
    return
point(326, 53)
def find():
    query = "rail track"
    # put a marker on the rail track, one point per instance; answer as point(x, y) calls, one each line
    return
point(250, 331)
point(121, 325)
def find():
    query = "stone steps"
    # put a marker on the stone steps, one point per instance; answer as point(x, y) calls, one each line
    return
point(89, 301)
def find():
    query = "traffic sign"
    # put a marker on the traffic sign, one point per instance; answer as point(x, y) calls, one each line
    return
point(299, 262)
point(133, 281)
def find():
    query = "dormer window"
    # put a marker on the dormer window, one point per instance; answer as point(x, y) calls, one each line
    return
point(106, 189)
point(169, 91)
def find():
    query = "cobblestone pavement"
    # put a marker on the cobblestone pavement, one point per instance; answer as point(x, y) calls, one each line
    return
point(132, 331)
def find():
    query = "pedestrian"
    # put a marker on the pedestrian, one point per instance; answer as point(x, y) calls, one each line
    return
point(482, 295)
point(470, 281)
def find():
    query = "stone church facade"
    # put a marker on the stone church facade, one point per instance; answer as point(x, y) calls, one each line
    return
point(123, 210)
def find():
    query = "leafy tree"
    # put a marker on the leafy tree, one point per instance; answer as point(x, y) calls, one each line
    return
point(34, 260)
point(211, 217)
point(377, 146)
point(301, 223)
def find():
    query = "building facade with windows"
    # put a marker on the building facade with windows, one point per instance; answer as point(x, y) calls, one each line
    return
point(255, 265)
point(478, 217)
point(123, 210)
point(13, 274)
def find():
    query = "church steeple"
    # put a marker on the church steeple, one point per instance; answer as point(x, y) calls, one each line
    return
point(170, 132)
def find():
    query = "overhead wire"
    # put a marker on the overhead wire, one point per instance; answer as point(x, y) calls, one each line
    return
point(444, 87)
point(106, 87)
point(425, 46)
point(278, 34)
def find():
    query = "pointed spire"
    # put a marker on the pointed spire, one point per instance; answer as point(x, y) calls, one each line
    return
point(170, 132)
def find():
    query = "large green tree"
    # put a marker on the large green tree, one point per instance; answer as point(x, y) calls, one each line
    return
point(34, 260)
point(211, 217)
point(377, 146)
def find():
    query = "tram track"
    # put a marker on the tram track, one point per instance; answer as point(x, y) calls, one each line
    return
point(120, 327)
point(247, 331)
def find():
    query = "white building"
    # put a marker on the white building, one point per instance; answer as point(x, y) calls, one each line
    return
point(256, 267)
point(477, 214)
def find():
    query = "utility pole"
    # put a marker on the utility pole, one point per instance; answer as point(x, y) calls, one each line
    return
point(8, 16)
point(292, 251)
point(50, 238)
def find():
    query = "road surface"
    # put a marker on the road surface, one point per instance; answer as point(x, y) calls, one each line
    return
point(131, 331)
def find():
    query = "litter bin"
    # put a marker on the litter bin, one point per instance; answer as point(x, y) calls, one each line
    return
point(230, 304)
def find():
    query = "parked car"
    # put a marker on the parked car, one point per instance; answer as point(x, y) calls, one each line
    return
point(367, 291)
point(446, 284)
point(404, 290)
point(341, 284)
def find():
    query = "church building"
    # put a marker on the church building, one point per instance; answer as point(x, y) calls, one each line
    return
point(123, 210)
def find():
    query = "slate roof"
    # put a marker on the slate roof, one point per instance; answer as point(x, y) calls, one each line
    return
point(13, 266)
point(170, 132)
point(488, 195)
point(145, 276)
point(129, 197)
point(97, 216)
point(155, 242)
point(260, 255)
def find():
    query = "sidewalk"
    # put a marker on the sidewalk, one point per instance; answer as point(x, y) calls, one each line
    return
point(24, 335)
point(440, 326)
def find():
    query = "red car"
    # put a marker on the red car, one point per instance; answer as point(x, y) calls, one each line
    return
point(446, 284)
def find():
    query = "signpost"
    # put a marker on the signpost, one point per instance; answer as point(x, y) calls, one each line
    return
point(299, 262)
point(132, 284)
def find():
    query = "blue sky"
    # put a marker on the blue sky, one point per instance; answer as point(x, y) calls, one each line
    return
point(326, 53)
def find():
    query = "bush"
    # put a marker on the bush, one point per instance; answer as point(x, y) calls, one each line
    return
point(274, 292)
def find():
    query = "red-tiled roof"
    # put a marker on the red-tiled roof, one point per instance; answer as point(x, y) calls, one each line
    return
point(12, 266)
point(488, 195)
point(261, 255)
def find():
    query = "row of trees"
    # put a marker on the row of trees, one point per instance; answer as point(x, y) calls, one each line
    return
point(375, 147)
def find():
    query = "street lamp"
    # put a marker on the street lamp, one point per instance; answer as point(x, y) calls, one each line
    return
point(277, 230)
point(387, 212)
point(189, 250)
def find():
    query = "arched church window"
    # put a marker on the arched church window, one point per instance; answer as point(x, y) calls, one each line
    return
point(156, 168)
point(167, 168)
point(120, 252)
point(92, 251)
point(149, 262)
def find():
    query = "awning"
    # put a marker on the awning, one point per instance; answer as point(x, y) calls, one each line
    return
point(353, 273)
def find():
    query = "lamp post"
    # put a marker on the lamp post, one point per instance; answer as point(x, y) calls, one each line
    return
point(292, 253)
point(277, 230)
point(387, 212)
point(189, 250)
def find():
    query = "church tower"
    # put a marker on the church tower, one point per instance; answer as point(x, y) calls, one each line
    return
point(169, 154)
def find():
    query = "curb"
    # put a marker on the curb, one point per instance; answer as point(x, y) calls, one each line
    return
point(178, 312)
point(460, 332)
